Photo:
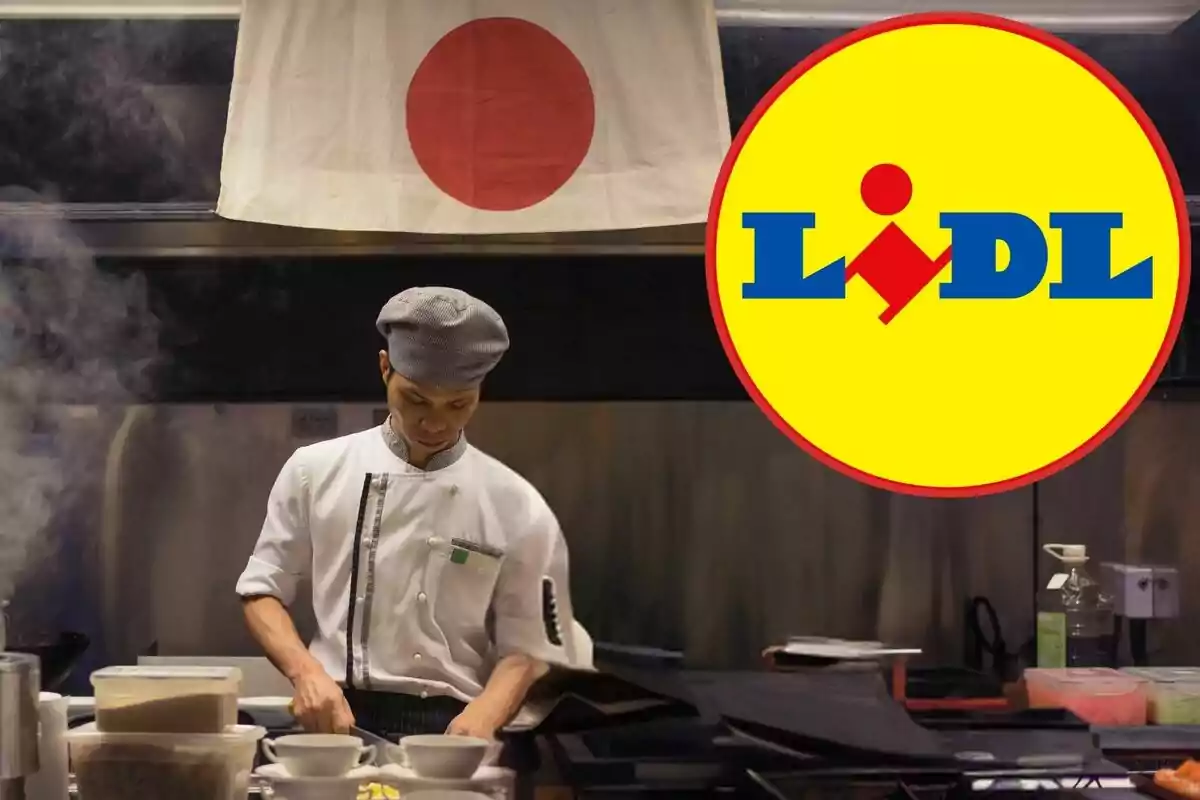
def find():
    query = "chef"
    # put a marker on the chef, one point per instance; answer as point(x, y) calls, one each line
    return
point(439, 575)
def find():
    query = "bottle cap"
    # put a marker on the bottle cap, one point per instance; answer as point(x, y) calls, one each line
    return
point(1067, 553)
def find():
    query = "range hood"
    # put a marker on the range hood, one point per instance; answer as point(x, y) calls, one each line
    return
point(181, 230)
point(1067, 16)
point(187, 230)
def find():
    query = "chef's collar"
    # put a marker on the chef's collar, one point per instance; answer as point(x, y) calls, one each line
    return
point(439, 460)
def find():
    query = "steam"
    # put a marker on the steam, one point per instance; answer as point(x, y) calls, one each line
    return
point(93, 113)
point(70, 334)
point(88, 125)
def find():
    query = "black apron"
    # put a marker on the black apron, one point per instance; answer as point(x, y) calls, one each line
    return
point(392, 716)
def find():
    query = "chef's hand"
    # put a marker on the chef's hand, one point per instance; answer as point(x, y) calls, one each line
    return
point(319, 705)
point(477, 719)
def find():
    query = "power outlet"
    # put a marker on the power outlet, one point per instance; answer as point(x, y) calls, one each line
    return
point(317, 422)
point(1166, 592)
point(1142, 591)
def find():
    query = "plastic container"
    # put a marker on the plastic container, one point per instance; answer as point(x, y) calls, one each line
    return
point(1173, 694)
point(1075, 617)
point(120, 766)
point(166, 699)
point(52, 780)
point(1099, 696)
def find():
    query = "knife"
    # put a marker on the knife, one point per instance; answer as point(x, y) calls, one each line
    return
point(381, 745)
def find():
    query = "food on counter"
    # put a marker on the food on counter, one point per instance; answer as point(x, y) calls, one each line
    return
point(121, 772)
point(1122, 707)
point(122, 766)
point(166, 699)
point(1184, 781)
point(377, 791)
point(197, 713)
point(1175, 703)
point(1096, 695)
point(1173, 693)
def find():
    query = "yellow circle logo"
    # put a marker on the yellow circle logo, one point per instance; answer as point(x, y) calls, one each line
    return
point(948, 254)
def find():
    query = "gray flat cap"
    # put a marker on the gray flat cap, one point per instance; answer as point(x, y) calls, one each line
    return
point(442, 337)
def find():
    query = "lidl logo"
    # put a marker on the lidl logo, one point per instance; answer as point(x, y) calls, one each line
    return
point(948, 254)
point(896, 268)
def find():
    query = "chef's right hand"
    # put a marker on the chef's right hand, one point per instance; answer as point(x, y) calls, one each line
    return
point(319, 705)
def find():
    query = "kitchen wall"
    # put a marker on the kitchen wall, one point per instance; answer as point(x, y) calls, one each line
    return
point(692, 525)
point(1136, 499)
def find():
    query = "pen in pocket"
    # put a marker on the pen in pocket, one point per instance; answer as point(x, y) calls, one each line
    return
point(476, 547)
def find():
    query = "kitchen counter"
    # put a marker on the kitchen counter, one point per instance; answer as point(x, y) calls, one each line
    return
point(273, 715)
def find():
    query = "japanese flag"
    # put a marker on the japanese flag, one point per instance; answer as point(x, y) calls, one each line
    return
point(474, 116)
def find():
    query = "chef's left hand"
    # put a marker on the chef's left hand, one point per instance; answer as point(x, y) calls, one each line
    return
point(477, 719)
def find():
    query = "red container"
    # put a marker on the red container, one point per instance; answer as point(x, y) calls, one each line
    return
point(1098, 696)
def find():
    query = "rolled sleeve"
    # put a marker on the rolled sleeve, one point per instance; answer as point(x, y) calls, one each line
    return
point(283, 553)
point(532, 604)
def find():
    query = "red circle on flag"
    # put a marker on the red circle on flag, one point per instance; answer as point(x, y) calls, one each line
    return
point(500, 114)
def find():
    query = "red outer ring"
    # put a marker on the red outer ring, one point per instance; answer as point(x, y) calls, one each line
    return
point(1000, 24)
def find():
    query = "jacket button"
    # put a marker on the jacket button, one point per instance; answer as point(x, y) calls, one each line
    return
point(421, 597)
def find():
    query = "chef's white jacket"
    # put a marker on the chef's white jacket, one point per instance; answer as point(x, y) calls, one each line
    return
point(422, 579)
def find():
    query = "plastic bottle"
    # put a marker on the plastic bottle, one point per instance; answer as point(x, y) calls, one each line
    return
point(1075, 618)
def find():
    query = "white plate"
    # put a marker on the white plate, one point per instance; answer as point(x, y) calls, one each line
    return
point(843, 650)
point(265, 703)
point(411, 780)
point(277, 772)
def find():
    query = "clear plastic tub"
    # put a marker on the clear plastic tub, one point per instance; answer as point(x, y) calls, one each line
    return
point(120, 766)
point(1173, 694)
point(1099, 696)
point(1046, 686)
point(160, 699)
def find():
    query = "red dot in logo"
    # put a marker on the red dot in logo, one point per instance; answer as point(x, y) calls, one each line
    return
point(500, 114)
point(886, 189)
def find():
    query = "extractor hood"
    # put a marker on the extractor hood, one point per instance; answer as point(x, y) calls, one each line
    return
point(187, 230)
point(181, 230)
point(1067, 16)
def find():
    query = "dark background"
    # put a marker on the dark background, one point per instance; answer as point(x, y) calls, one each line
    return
point(78, 124)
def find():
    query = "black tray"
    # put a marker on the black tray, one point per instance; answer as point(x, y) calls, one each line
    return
point(1029, 719)
point(1183, 739)
point(950, 683)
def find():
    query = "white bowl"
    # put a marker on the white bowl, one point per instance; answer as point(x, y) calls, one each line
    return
point(318, 755)
point(404, 780)
point(442, 756)
point(285, 786)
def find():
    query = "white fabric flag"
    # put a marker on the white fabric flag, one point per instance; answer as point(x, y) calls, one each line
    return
point(474, 116)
